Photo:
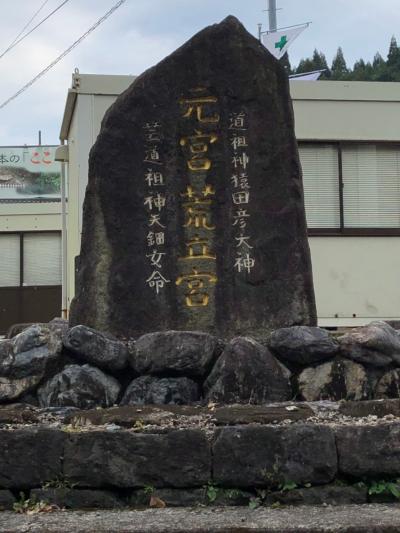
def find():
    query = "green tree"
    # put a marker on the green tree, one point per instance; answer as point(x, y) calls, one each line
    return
point(339, 68)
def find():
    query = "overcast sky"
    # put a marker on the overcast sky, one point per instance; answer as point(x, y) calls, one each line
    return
point(142, 32)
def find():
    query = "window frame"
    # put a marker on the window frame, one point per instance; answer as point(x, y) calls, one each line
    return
point(343, 231)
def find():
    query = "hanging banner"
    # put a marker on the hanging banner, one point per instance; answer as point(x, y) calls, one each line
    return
point(29, 173)
point(278, 42)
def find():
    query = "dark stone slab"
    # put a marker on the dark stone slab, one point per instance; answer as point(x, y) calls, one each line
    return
point(257, 414)
point(303, 345)
point(247, 372)
point(376, 344)
point(380, 408)
point(325, 494)
point(268, 456)
point(152, 390)
point(18, 414)
point(334, 380)
point(369, 451)
point(187, 353)
point(79, 386)
point(7, 500)
point(30, 457)
point(126, 459)
point(196, 222)
point(94, 347)
point(78, 498)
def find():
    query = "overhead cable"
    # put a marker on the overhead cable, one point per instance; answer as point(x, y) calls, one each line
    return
point(12, 45)
point(27, 25)
point(66, 52)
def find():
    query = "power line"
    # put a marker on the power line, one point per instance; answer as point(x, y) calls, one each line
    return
point(66, 52)
point(33, 29)
point(27, 24)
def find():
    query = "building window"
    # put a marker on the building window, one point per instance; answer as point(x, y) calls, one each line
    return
point(351, 188)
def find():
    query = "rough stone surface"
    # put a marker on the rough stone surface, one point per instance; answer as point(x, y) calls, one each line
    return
point(30, 457)
point(268, 456)
point(377, 344)
point(151, 390)
point(303, 345)
point(119, 265)
point(95, 348)
point(78, 498)
point(7, 500)
point(124, 459)
point(389, 385)
point(247, 372)
point(256, 414)
point(18, 414)
point(79, 386)
point(335, 380)
point(310, 519)
point(188, 353)
point(26, 359)
point(379, 408)
point(369, 451)
point(328, 495)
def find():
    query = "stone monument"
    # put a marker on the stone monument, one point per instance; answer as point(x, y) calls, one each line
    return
point(194, 214)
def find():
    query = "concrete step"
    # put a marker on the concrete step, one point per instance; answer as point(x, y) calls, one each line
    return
point(344, 519)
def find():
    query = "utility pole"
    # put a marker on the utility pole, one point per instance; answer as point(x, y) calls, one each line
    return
point(272, 15)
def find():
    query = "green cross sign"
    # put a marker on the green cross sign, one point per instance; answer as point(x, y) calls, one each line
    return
point(282, 43)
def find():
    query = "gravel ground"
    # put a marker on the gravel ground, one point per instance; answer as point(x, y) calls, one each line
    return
point(349, 519)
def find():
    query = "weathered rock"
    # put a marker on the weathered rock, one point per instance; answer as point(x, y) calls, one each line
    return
point(30, 457)
point(125, 459)
point(268, 456)
point(18, 414)
point(379, 408)
point(79, 386)
point(389, 385)
point(336, 380)
point(377, 344)
point(78, 498)
point(197, 221)
point(151, 390)
point(247, 372)
point(96, 348)
point(7, 500)
point(171, 497)
point(303, 345)
point(188, 353)
point(26, 359)
point(255, 414)
point(325, 494)
point(369, 451)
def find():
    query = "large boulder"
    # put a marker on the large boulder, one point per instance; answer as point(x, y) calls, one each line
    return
point(152, 390)
point(196, 221)
point(187, 353)
point(336, 380)
point(303, 345)
point(95, 348)
point(377, 344)
point(79, 386)
point(247, 372)
point(389, 385)
point(26, 359)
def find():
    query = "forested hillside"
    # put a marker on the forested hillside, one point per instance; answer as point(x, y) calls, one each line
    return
point(379, 69)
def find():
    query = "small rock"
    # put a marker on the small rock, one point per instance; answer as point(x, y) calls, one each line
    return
point(79, 386)
point(389, 385)
point(336, 380)
point(303, 345)
point(7, 500)
point(376, 344)
point(96, 348)
point(152, 390)
point(188, 353)
point(247, 372)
